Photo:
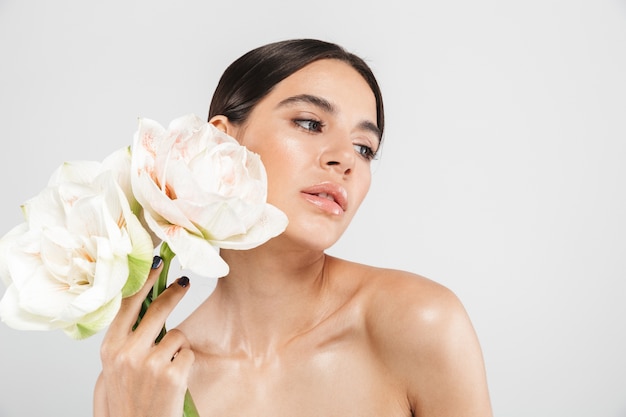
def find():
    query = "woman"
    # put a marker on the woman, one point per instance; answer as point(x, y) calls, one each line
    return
point(292, 331)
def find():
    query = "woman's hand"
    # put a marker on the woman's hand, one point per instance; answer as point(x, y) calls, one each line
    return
point(140, 378)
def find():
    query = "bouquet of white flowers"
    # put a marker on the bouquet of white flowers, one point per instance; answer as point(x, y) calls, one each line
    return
point(89, 237)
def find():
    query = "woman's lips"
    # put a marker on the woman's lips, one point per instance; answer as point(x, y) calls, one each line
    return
point(329, 197)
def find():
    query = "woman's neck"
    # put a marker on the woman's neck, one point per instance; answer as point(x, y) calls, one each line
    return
point(271, 295)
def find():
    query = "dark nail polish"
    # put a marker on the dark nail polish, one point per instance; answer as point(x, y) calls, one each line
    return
point(183, 281)
point(156, 262)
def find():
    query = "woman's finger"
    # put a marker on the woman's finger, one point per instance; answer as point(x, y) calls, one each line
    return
point(170, 346)
point(183, 362)
point(154, 319)
point(129, 310)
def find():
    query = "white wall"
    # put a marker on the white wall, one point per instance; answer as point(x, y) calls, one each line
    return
point(503, 176)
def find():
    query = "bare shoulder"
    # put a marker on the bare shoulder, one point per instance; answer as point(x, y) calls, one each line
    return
point(410, 317)
point(392, 297)
point(420, 331)
point(404, 300)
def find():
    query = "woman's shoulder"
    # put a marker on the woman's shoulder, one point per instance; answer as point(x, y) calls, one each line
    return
point(404, 311)
point(392, 291)
point(420, 332)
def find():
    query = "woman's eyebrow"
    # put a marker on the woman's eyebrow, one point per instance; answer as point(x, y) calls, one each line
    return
point(317, 101)
point(371, 127)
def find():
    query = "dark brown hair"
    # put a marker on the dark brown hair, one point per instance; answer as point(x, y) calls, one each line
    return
point(252, 76)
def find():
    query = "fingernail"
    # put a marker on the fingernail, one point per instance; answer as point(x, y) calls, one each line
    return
point(156, 262)
point(183, 281)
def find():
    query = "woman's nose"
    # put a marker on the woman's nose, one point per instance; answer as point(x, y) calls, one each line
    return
point(339, 155)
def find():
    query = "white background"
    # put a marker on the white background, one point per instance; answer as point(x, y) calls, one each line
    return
point(503, 175)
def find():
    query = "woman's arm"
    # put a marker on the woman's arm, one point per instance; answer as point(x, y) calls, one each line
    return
point(140, 378)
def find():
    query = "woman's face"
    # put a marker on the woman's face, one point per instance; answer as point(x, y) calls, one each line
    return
point(316, 134)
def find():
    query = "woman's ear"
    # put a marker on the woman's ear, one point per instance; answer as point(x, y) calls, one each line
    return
point(222, 123)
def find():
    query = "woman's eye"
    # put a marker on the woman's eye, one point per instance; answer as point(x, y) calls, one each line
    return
point(309, 124)
point(365, 151)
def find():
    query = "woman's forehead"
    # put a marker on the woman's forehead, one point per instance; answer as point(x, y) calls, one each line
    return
point(329, 83)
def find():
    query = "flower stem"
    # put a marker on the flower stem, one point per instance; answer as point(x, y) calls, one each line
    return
point(189, 408)
point(166, 255)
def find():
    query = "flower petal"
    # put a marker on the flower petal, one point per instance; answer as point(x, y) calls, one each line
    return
point(272, 223)
point(6, 244)
point(78, 172)
point(157, 203)
point(196, 254)
point(140, 257)
point(14, 316)
point(94, 322)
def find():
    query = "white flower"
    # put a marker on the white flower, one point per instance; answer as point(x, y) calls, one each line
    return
point(80, 250)
point(201, 190)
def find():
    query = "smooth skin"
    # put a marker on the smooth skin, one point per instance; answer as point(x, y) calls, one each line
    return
point(292, 331)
